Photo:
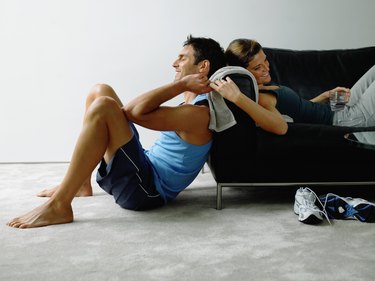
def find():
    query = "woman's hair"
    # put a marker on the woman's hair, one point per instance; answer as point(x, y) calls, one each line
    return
point(207, 49)
point(241, 51)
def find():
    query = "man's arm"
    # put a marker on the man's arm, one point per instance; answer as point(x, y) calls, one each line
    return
point(146, 109)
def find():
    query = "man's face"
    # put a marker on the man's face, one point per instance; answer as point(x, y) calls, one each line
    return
point(184, 64)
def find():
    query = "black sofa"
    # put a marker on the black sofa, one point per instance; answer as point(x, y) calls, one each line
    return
point(309, 154)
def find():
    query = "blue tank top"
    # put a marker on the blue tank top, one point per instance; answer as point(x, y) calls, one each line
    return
point(301, 110)
point(176, 163)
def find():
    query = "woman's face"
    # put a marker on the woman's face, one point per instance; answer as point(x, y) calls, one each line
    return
point(260, 67)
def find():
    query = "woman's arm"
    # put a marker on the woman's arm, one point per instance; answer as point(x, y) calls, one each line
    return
point(264, 114)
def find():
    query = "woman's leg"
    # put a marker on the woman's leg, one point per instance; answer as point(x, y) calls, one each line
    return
point(361, 86)
point(367, 105)
point(104, 130)
point(360, 110)
point(99, 90)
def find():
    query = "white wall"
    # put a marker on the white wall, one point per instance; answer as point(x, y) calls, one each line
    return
point(53, 51)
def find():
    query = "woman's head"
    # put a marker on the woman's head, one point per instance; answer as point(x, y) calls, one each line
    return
point(249, 54)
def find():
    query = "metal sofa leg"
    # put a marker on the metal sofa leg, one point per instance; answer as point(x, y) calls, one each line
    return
point(219, 193)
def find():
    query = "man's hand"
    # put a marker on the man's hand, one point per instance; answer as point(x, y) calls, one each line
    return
point(197, 83)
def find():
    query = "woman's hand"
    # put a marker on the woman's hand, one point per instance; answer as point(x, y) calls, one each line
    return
point(227, 88)
point(324, 97)
point(342, 89)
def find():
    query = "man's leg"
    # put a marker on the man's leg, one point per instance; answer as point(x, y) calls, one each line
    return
point(84, 190)
point(99, 90)
point(104, 130)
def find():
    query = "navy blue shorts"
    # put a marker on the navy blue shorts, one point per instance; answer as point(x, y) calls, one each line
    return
point(129, 178)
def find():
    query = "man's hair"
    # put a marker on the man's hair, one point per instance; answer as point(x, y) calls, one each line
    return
point(207, 49)
point(241, 52)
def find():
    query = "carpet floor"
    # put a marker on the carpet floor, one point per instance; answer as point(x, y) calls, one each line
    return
point(256, 236)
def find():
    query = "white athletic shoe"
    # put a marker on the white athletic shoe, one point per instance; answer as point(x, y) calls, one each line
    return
point(305, 208)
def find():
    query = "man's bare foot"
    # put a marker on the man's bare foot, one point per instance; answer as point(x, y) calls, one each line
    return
point(85, 190)
point(47, 192)
point(47, 214)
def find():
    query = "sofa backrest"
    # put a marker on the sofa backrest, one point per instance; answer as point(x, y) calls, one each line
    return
point(311, 72)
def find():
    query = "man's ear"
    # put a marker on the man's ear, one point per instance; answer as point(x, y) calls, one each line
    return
point(204, 66)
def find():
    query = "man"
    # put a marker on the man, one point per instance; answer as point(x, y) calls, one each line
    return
point(139, 179)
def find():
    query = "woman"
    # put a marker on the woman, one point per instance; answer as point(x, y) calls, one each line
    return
point(359, 111)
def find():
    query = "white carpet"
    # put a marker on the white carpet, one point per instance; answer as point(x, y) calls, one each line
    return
point(255, 237)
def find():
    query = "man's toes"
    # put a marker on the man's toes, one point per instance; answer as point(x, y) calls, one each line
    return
point(42, 193)
point(12, 224)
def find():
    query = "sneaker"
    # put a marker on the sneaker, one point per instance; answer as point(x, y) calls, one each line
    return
point(305, 208)
point(348, 208)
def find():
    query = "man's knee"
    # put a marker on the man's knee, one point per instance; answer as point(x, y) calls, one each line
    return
point(103, 106)
point(102, 89)
point(99, 90)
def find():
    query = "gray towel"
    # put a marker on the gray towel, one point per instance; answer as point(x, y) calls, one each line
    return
point(221, 118)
